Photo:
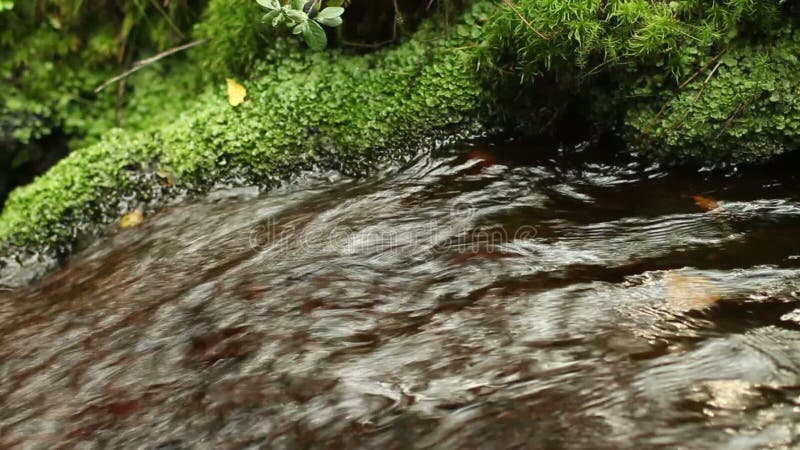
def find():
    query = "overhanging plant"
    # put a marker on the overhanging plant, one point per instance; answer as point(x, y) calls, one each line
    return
point(303, 18)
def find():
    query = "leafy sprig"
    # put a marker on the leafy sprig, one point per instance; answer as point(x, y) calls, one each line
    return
point(303, 18)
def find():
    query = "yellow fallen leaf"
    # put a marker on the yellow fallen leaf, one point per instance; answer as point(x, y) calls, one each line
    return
point(132, 219)
point(236, 92)
point(686, 292)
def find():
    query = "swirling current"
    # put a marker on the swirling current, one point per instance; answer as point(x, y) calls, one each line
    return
point(489, 294)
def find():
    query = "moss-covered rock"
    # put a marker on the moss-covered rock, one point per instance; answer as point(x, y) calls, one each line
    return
point(530, 38)
point(687, 80)
point(743, 106)
point(54, 53)
point(309, 109)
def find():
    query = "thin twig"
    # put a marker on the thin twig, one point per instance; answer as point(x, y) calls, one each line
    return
point(140, 64)
point(667, 104)
point(396, 18)
point(597, 68)
point(742, 106)
point(713, 71)
point(703, 69)
point(696, 97)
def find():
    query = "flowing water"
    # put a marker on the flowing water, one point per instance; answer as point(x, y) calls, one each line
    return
point(478, 297)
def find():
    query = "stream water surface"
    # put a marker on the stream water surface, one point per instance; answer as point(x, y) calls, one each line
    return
point(488, 295)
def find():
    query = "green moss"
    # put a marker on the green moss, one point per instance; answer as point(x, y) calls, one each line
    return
point(744, 107)
point(54, 53)
point(532, 37)
point(622, 61)
point(310, 108)
point(624, 64)
point(237, 38)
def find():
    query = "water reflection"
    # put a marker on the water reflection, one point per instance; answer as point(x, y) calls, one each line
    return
point(475, 298)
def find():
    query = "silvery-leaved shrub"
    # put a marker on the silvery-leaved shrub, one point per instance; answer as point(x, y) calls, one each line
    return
point(303, 17)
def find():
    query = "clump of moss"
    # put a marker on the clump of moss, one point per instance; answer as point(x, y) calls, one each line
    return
point(743, 107)
point(532, 37)
point(621, 61)
point(309, 109)
point(54, 53)
point(238, 40)
point(236, 37)
point(676, 75)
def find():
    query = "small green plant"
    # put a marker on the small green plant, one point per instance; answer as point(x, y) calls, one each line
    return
point(6, 4)
point(304, 17)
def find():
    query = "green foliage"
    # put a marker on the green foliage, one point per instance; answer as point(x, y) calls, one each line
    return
point(312, 108)
point(53, 53)
point(531, 37)
point(628, 58)
point(236, 39)
point(303, 18)
point(627, 62)
point(744, 107)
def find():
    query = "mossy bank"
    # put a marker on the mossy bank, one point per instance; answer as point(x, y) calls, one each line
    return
point(302, 109)
point(684, 81)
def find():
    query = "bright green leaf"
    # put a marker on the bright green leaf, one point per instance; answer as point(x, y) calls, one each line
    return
point(277, 20)
point(330, 22)
point(270, 16)
point(315, 36)
point(297, 16)
point(330, 12)
point(270, 4)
